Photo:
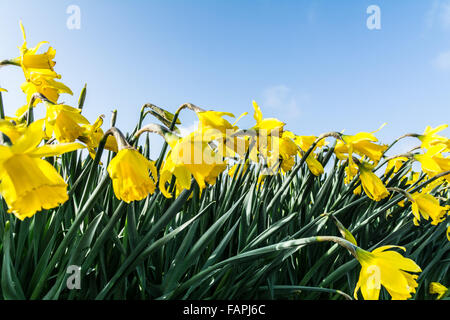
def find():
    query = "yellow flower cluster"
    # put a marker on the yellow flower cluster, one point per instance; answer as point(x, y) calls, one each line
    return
point(29, 183)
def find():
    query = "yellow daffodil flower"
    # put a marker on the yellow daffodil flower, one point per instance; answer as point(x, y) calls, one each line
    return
point(190, 155)
point(287, 151)
point(351, 170)
point(39, 74)
point(28, 183)
point(215, 120)
point(304, 143)
point(64, 122)
point(181, 173)
point(31, 62)
point(437, 288)
point(428, 206)
point(243, 168)
point(372, 185)
point(220, 129)
point(396, 163)
point(362, 144)
point(446, 144)
point(129, 171)
point(430, 136)
point(266, 125)
point(388, 269)
point(91, 135)
point(13, 132)
point(44, 85)
point(433, 162)
point(266, 141)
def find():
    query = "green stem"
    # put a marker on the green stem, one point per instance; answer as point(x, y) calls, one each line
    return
point(305, 288)
point(254, 254)
point(69, 236)
point(9, 63)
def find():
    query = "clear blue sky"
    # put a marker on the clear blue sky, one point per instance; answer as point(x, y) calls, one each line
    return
point(313, 64)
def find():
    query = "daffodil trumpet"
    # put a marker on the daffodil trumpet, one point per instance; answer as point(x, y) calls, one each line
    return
point(160, 130)
point(29, 183)
point(380, 267)
point(373, 186)
point(387, 268)
point(130, 171)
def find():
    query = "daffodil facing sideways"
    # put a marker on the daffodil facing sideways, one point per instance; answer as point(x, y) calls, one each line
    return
point(190, 156)
point(372, 185)
point(304, 143)
point(32, 62)
point(363, 144)
point(39, 74)
point(130, 171)
point(437, 288)
point(29, 183)
point(215, 120)
point(430, 137)
point(427, 206)
point(276, 152)
point(222, 131)
point(268, 146)
point(266, 126)
point(432, 161)
point(45, 85)
point(92, 134)
point(351, 170)
point(288, 149)
point(387, 268)
point(395, 164)
point(64, 122)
